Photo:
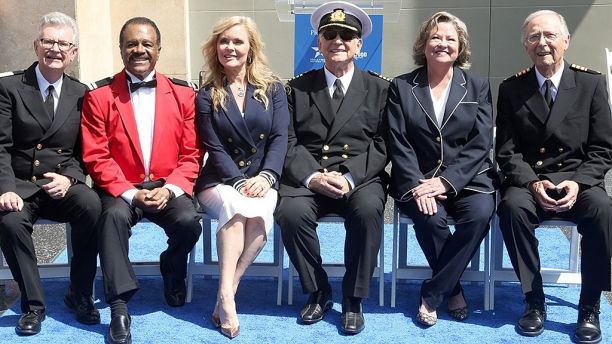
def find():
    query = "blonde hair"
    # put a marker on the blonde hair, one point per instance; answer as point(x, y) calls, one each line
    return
point(465, 52)
point(258, 73)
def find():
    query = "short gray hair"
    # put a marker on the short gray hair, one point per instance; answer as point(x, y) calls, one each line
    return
point(564, 29)
point(59, 19)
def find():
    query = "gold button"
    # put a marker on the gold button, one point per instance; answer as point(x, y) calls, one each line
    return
point(345, 147)
point(439, 161)
point(39, 146)
point(36, 163)
point(560, 150)
point(325, 157)
point(539, 163)
point(559, 164)
point(438, 139)
point(262, 136)
point(236, 151)
point(151, 176)
point(325, 147)
point(325, 170)
point(345, 156)
point(542, 150)
point(241, 163)
point(33, 178)
point(254, 150)
point(249, 163)
point(59, 165)
point(142, 176)
point(230, 140)
point(59, 151)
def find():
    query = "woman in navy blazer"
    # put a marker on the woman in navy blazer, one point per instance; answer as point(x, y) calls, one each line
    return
point(440, 136)
point(242, 119)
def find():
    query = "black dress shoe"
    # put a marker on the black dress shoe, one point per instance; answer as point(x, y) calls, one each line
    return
point(531, 323)
point(119, 330)
point(29, 322)
point(318, 303)
point(175, 290)
point(587, 327)
point(83, 307)
point(352, 322)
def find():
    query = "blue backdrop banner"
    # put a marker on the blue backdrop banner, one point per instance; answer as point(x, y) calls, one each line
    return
point(307, 55)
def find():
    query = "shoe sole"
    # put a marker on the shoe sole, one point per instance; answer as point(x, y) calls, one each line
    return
point(530, 334)
point(26, 332)
point(575, 340)
point(328, 305)
point(128, 340)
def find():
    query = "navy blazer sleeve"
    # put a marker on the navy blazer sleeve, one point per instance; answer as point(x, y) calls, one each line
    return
point(465, 166)
point(276, 148)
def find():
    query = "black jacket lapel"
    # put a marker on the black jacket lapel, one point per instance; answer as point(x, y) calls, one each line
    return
point(353, 98)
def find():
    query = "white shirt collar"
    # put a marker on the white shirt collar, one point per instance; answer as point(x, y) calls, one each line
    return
point(43, 84)
point(556, 78)
point(345, 80)
point(135, 79)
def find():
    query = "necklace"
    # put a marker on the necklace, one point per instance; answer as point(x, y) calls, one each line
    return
point(240, 92)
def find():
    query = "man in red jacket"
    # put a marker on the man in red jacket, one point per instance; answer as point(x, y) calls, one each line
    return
point(139, 145)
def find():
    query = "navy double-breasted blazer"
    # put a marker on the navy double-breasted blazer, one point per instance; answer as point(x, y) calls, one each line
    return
point(237, 146)
point(458, 150)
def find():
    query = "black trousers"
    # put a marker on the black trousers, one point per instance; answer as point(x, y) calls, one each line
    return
point(179, 220)
point(363, 213)
point(81, 207)
point(448, 254)
point(520, 215)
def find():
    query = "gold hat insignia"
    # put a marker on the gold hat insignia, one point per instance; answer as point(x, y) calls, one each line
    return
point(338, 16)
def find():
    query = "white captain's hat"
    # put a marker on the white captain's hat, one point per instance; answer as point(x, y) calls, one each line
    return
point(341, 14)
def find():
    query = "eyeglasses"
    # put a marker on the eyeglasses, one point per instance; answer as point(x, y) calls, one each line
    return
point(49, 43)
point(549, 37)
point(345, 35)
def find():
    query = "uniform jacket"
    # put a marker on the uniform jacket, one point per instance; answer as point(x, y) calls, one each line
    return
point(459, 151)
point(30, 143)
point(350, 141)
point(111, 147)
point(574, 142)
point(240, 147)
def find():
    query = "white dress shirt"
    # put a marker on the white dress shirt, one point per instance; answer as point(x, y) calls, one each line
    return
point(43, 84)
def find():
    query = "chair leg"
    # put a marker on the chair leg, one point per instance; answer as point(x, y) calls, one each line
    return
point(290, 285)
point(394, 261)
point(381, 269)
point(190, 272)
point(280, 257)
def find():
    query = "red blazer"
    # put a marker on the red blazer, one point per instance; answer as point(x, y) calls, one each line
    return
point(111, 148)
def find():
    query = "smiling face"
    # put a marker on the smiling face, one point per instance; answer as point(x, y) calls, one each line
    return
point(337, 51)
point(442, 47)
point(139, 49)
point(545, 43)
point(53, 60)
point(233, 48)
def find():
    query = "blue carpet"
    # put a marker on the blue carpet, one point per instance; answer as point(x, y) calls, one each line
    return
point(263, 322)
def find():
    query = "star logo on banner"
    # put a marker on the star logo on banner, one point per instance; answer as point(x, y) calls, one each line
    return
point(317, 52)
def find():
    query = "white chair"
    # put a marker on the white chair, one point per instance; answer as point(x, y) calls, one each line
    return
point(609, 73)
point(401, 270)
point(273, 269)
point(46, 270)
point(337, 269)
point(499, 273)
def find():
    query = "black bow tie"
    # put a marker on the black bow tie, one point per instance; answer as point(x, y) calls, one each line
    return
point(137, 85)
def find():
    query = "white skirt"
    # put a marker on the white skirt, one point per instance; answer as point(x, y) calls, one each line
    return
point(224, 202)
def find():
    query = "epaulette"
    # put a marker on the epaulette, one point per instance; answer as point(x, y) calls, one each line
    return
point(184, 83)
point(380, 76)
point(75, 79)
point(17, 72)
point(93, 85)
point(297, 76)
point(519, 74)
point(583, 69)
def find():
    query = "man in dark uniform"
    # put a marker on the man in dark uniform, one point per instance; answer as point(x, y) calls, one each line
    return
point(41, 174)
point(335, 164)
point(554, 146)
point(140, 147)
